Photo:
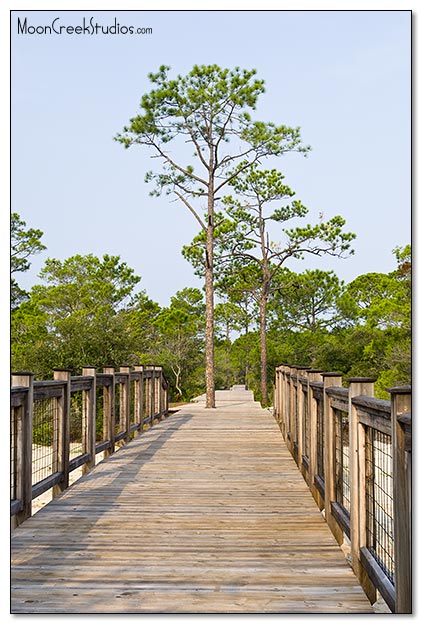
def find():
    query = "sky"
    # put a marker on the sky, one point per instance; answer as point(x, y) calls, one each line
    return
point(342, 76)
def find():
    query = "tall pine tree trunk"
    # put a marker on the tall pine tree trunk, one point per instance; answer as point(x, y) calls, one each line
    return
point(266, 281)
point(209, 302)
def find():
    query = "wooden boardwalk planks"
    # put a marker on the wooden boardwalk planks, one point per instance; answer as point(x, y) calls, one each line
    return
point(205, 513)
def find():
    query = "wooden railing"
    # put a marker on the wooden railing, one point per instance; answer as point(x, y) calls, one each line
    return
point(354, 452)
point(62, 424)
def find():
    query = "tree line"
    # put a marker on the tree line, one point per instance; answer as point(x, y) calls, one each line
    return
point(90, 311)
point(211, 155)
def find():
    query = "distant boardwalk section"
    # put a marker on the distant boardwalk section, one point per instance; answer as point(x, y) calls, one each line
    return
point(236, 393)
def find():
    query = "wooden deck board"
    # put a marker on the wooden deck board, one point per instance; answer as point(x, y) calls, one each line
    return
point(204, 513)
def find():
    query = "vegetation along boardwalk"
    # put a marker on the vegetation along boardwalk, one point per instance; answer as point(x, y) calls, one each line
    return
point(204, 513)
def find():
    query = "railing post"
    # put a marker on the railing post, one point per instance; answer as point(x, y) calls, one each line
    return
point(284, 402)
point(292, 409)
point(163, 400)
point(297, 428)
point(153, 394)
point(401, 423)
point(109, 418)
point(300, 399)
point(166, 393)
point(62, 439)
point(330, 379)
point(299, 420)
point(158, 392)
point(358, 386)
point(287, 407)
point(24, 448)
point(314, 375)
point(125, 403)
point(139, 400)
point(89, 408)
point(149, 390)
point(280, 399)
point(277, 394)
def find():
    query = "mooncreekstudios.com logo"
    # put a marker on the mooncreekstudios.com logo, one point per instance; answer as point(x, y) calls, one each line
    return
point(88, 27)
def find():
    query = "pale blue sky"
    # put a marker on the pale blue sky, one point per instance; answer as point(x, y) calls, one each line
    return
point(343, 76)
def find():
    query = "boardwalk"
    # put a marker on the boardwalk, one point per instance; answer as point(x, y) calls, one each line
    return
point(204, 513)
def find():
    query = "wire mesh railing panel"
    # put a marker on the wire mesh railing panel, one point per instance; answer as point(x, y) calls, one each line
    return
point(287, 408)
point(342, 459)
point(320, 438)
point(149, 411)
point(145, 399)
point(153, 397)
point(99, 415)
point(158, 393)
point(118, 412)
point(15, 416)
point(133, 401)
point(45, 431)
point(306, 426)
point(76, 424)
point(295, 415)
point(379, 499)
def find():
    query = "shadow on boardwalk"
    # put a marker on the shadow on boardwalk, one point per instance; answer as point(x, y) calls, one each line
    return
point(83, 504)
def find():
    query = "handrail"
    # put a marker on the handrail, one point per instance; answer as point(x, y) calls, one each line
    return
point(61, 424)
point(354, 453)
